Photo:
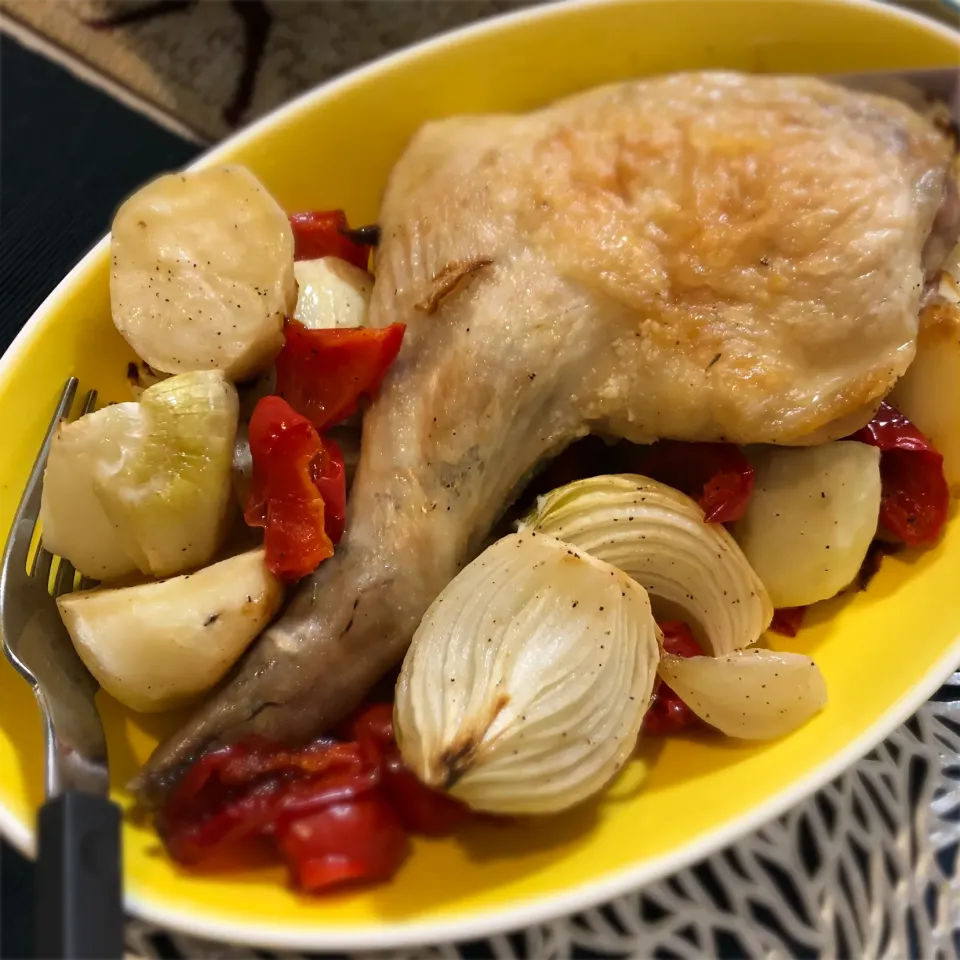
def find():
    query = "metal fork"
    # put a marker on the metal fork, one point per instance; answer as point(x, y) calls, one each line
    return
point(78, 895)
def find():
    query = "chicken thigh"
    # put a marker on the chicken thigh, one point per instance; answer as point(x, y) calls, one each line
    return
point(697, 256)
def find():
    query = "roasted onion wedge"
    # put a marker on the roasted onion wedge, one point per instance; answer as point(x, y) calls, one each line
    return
point(750, 694)
point(692, 570)
point(527, 681)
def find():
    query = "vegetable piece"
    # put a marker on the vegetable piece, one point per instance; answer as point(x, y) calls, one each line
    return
point(75, 525)
point(297, 492)
point(668, 714)
point(170, 496)
point(140, 376)
point(329, 474)
point(916, 493)
point(811, 519)
point(332, 293)
point(750, 694)
point(526, 683)
point(325, 233)
point(343, 447)
point(323, 374)
point(362, 839)
point(717, 475)
point(422, 810)
point(788, 620)
point(242, 464)
point(657, 535)
point(338, 811)
point(248, 789)
point(202, 274)
point(928, 394)
point(158, 645)
point(874, 560)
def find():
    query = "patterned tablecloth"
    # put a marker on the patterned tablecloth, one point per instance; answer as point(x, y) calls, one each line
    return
point(868, 867)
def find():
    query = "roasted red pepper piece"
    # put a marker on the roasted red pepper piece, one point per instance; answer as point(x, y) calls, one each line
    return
point(874, 559)
point(915, 497)
point(362, 840)
point(323, 374)
point(787, 620)
point(241, 792)
point(290, 467)
point(679, 640)
point(330, 476)
point(337, 810)
point(421, 809)
point(717, 475)
point(668, 714)
point(324, 233)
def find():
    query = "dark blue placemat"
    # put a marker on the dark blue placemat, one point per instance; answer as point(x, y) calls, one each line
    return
point(69, 154)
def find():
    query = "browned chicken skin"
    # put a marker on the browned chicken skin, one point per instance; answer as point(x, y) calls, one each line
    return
point(697, 256)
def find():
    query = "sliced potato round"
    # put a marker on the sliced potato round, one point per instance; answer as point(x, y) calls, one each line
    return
point(202, 272)
point(929, 392)
point(158, 645)
point(811, 518)
point(74, 522)
point(332, 293)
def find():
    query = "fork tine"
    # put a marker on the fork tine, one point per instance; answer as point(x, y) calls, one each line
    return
point(89, 402)
point(25, 520)
point(66, 573)
point(42, 562)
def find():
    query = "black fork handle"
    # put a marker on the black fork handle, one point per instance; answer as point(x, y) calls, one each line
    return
point(79, 900)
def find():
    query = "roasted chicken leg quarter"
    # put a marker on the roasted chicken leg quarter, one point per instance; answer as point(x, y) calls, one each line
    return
point(703, 256)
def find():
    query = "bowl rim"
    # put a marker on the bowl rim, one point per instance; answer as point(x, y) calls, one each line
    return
point(518, 914)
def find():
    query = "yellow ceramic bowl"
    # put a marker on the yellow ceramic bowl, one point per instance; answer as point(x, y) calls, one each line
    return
point(882, 652)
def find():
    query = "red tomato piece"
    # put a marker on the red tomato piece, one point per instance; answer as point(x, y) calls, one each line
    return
point(668, 714)
point(241, 792)
point(422, 810)
point(323, 374)
point(787, 620)
point(372, 723)
point(256, 757)
point(358, 840)
point(337, 811)
point(325, 233)
point(891, 430)
point(330, 476)
point(290, 464)
point(678, 639)
point(915, 497)
point(717, 475)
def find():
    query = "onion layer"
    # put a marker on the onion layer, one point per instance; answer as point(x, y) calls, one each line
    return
point(526, 683)
point(750, 694)
point(693, 570)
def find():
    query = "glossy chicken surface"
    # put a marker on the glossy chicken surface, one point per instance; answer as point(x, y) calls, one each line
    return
point(696, 256)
